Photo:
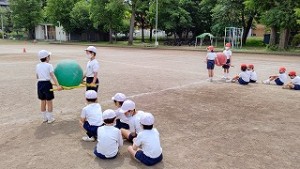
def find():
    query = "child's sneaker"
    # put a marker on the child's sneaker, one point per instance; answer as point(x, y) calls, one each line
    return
point(266, 82)
point(88, 139)
point(228, 81)
point(51, 121)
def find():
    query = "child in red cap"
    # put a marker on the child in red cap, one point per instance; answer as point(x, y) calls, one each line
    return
point(252, 73)
point(295, 83)
point(243, 78)
point(279, 79)
point(210, 60)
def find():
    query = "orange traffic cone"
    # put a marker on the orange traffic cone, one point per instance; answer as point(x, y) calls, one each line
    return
point(24, 50)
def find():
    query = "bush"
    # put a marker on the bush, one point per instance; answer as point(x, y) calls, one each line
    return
point(272, 47)
point(255, 42)
point(296, 40)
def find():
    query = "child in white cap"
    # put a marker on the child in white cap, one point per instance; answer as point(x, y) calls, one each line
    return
point(146, 147)
point(92, 69)
point(295, 83)
point(91, 116)
point(128, 109)
point(109, 137)
point(121, 120)
point(44, 74)
point(279, 79)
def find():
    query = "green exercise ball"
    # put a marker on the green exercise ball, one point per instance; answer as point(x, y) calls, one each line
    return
point(68, 73)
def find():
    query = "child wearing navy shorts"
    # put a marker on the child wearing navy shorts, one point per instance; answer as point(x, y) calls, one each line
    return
point(91, 116)
point(210, 62)
point(121, 120)
point(92, 69)
point(44, 74)
point(109, 138)
point(295, 83)
point(146, 146)
point(279, 79)
point(243, 78)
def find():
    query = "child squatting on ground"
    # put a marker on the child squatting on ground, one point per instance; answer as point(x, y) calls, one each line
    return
point(279, 79)
point(243, 78)
point(44, 74)
point(91, 116)
point(146, 146)
point(295, 83)
point(128, 109)
point(121, 120)
point(210, 61)
point(92, 69)
point(109, 137)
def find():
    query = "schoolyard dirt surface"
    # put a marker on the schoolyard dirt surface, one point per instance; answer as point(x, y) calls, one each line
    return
point(202, 125)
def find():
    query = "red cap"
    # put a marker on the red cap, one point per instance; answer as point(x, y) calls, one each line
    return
point(282, 69)
point(292, 73)
point(251, 66)
point(228, 45)
point(210, 48)
point(243, 65)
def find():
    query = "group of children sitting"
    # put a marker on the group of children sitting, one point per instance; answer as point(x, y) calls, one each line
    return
point(248, 75)
point(112, 126)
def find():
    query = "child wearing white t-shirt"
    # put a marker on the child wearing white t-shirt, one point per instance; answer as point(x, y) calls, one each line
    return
point(128, 109)
point(109, 137)
point(91, 116)
point(44, 74)
point(92, 69)
point(146, 146)
point(279, 79)
point(210, 62)
point(243, 78)
point(295, 83)
point(252, 73)
point(121, 120)
point(228, 53)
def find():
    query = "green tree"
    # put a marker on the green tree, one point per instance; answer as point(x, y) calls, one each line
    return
point(173, 18)
point(133, 6)
point(80, 18)
point(60, 10)
point(232, 13)
point(108, 14)
point(26, 14)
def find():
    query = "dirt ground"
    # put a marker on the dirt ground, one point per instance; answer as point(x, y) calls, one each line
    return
point(202, 125)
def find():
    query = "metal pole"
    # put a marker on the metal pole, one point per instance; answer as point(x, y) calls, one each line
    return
point(156, 21)
point(59, 32)
point(2, 26)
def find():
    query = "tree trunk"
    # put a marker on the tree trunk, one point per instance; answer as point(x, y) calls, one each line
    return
point(272, 36)
point(143, 27)
point(132, 20)
point(284, 39)
point(246, 30)
point(151, 29)
point(31, 34)
point(110, 35)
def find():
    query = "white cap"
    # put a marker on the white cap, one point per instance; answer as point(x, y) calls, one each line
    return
point(147, 119)
point(127, 105)
point(108, 114)
point(91, 48)
point(91, 94)
point(119, 97)
point(43, 54)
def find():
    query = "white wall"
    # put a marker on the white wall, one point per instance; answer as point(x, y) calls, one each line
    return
point(39, 32)
point(60, 34)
